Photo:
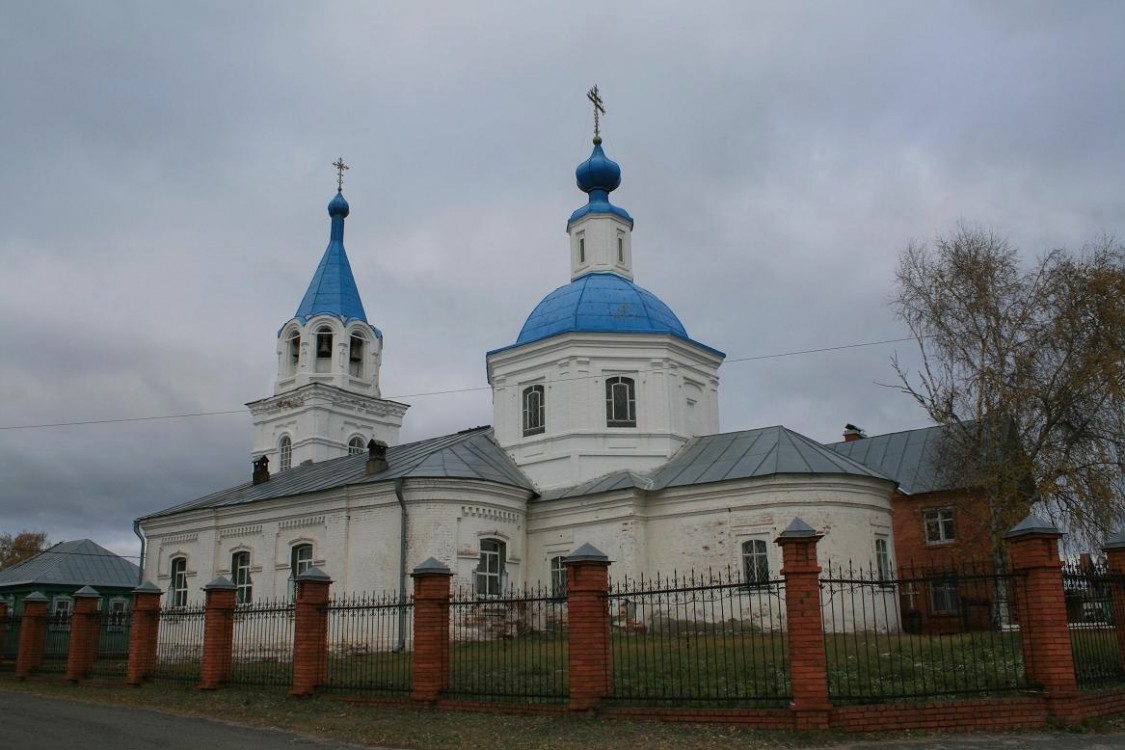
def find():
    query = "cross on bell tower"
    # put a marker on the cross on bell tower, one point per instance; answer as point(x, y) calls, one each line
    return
point(599, 109)
point(340, 167)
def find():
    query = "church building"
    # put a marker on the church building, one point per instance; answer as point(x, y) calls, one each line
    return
point(605, 431)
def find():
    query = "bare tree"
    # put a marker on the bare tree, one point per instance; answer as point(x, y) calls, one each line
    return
point(19, 547)
point(1026, 368)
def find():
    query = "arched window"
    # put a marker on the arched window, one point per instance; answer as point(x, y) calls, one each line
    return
point(355, 357)
point(177, 588)
point(356, 446)
point(558, 576)
point(620, 402)
point(489, 578)
point(300, 560)
point(324, 349)
point(755, 562)
point(293, 353)
point(534, 410)
point(240, 574)
point(285, 453)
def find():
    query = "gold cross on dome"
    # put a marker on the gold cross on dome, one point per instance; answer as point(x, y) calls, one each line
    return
point(340, 167)
point(599, 109)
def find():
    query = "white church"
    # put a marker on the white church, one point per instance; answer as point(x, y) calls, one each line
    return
point(605, 431)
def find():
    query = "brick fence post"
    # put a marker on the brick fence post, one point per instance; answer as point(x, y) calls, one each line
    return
point(587, 631)
point(3, 626)
point(310, 632)
point(808, 670)
point(144, 631)
point(218, 633)
point(85, 628)
point(430, 668)
point(1044, 633)
point(33, 634)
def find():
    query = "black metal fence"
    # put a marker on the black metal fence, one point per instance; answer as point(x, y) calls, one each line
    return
point(926, 633)
point(509, 646)
point(179, 646)
point(10, 643)
point(1090, 589)
point(262, 649)
point(709, 639)
point(56, 647)
point(113, 644)
point(370, 644)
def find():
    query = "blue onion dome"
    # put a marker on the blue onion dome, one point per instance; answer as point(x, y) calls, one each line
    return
point(338, 206)
point(599, 172)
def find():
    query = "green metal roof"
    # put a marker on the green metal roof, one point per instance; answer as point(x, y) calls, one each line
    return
point(910, 457)
point(77, 563)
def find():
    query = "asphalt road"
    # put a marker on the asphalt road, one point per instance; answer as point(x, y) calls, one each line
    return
point(29, 722)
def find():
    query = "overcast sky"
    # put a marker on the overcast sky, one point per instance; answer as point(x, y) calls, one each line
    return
point(166, 168)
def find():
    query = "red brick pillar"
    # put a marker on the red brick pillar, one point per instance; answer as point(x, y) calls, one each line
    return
point(431, 630)
point(144, 631)
point(310, 632)
point(218, 633)
point(587, 618)
point(3, 626)
point(808, 671)
point(1047, 659)
point(33, 634)
point(85, 629)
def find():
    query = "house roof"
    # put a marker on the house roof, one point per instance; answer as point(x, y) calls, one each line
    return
point(911, 457)
point(471, 454)
point(748, 454)
point(77, 563)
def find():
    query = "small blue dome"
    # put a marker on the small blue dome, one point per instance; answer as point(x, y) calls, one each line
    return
point(600, 303)
point(599, 172)
point(338, 206)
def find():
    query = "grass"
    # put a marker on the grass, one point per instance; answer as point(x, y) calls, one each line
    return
point(415, 728)
point(1097, 655)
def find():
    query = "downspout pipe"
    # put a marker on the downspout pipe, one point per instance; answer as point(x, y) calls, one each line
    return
point(144, 544)
point(400, 483)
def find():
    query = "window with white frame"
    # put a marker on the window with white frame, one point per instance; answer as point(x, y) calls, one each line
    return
point(293, 355)
point(620, 402)
point(882, 559)
point(755, 562)
point(939, 525)
point(285, 453)
point(620, 249)
point(355, 357)
point(558, 576)
point(324, 349)
point(355, 446)
point(117, 615)
point(177, 588)
point(581, 249)
point(945, 596)
point(240, 575)
point(300, 560)
point(489, 576)
point(61, 607)
point(534, 410)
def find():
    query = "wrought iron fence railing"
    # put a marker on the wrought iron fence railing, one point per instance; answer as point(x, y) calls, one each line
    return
point(1091, 591)
point(56, 645)
point(703, 639)
point(262, 648)
point(10, 643)
point(927, 633)
point(370, 643)
point(179, 645)
point(113, 644)
point(512, 646)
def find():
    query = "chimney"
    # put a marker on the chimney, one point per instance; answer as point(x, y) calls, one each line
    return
point(852, 433)
point(376, 456)
point(261, 470)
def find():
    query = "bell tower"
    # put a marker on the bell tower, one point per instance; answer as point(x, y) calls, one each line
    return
point(326, 401)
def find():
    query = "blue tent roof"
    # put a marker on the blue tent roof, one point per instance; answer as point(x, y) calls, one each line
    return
point(332, 290)
point(600, 303)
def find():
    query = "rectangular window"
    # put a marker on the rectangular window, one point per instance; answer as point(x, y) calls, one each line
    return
point(558, 576)
point(300, 560)
point(882, 560)
point(60, 613)
point(240, 574)
point(620, 249)
point(177, 589)
point(755, 562)
point(945, 596)
point(117, 616)
point(489, 579)
point(939, 525)
point(581, 249)
point(534, 410)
